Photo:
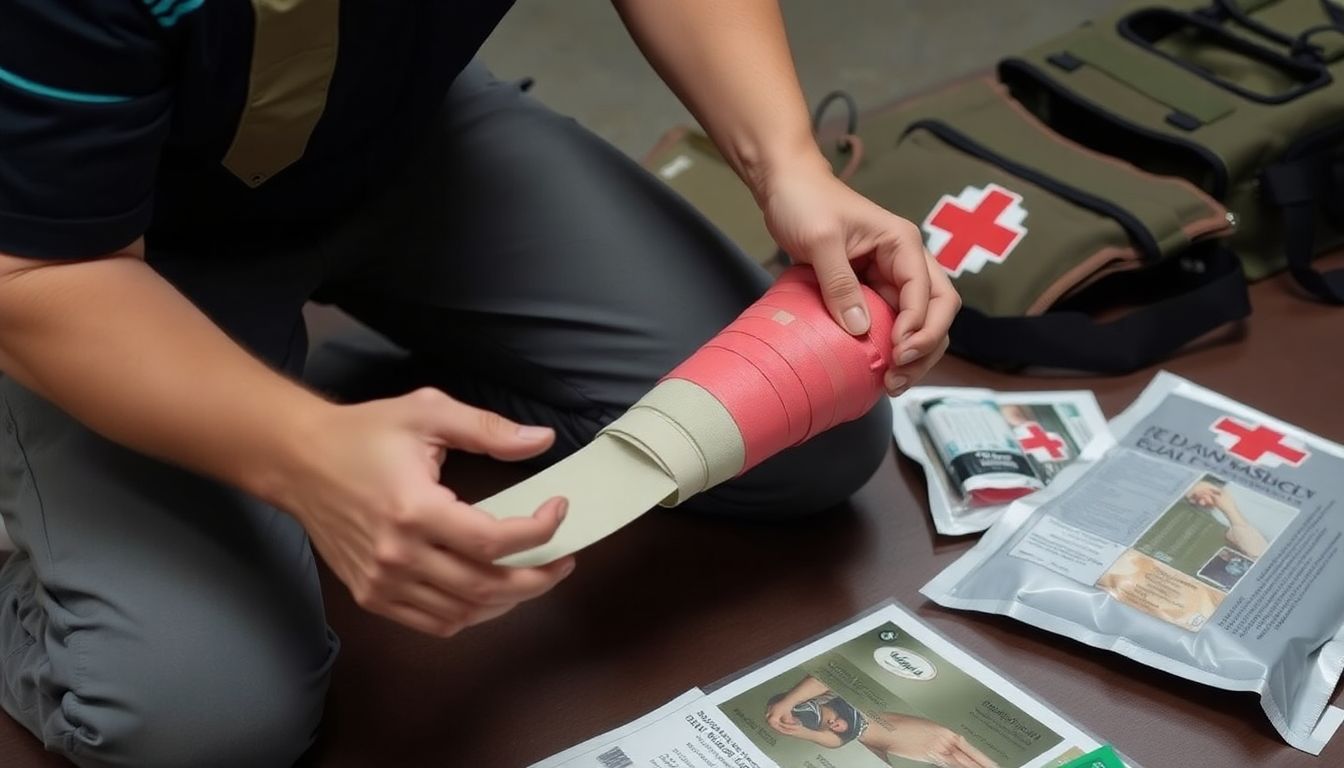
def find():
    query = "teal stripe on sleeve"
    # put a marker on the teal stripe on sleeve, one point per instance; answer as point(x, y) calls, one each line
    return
point(24, 84)
point(181, 10)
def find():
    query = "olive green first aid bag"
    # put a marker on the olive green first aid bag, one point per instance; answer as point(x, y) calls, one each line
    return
point(1242, 97)
point(1120, 165)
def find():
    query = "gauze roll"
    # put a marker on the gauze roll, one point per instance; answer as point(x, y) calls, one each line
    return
point(778, 375)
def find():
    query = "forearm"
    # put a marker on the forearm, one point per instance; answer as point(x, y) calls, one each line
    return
point(807, 688)
point(1231, 511)
point(729, 63)
point(118, 348)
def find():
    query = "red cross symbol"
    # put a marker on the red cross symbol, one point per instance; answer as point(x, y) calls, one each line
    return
point(1035, 440)
point(975, 228)
point(1258, 444)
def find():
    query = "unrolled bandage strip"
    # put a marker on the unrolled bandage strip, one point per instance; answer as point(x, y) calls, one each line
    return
point(778, 375)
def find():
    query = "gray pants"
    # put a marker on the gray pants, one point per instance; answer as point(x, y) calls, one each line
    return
point(155, 618)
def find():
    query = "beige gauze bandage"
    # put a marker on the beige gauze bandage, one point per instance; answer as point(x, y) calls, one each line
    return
point(780, 374)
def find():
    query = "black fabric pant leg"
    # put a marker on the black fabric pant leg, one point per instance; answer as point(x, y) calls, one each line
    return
point(547, 276)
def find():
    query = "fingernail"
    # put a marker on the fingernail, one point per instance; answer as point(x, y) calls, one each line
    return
point(533, 434)
point(567, 569)
point(856, 320)
point(896, 382)
point(561, 510)
point(908, 356)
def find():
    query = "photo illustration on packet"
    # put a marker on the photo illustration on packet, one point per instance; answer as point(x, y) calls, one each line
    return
point(981, 449)
point(1204, 539)
point(883, 689)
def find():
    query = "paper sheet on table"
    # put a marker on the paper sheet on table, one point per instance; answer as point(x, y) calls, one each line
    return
point(893, 670)
point(604, 742)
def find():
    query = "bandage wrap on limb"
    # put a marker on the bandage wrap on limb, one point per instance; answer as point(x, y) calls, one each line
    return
point(778, 375)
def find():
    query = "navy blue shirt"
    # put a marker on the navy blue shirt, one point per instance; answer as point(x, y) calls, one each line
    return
point(116, 116)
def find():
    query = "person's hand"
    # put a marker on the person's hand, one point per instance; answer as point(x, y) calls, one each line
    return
point(915, 738)
point(367, 491)
point(845, 237)
point(1204, 494)
point(780, 717)
point(1248, 539)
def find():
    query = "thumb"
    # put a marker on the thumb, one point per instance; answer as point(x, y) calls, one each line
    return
point(458, 425)
point(839, 285)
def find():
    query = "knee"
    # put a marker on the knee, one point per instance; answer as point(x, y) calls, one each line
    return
point(227, 711)
point(816, 476)
point(826, 471)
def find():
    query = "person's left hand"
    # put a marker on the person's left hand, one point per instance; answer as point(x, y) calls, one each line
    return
point(820, 221)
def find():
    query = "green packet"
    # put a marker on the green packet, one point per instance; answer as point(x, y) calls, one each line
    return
point(1101, 758)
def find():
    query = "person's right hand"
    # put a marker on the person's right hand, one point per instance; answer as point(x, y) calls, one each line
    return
point(915, 738)
point(1204, 494)
point(367, 491)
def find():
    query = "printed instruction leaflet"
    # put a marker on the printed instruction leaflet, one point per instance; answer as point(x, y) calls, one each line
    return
point(883, 690)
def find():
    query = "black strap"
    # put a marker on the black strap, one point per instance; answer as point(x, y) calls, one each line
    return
point(1231, 9)
point(1200, 293)
point(1299, 188)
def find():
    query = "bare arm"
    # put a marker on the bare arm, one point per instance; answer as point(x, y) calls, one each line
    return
point(780, 714)
point(807, 688)
point(116, 346)
point(1241, 533)
point(729, 63)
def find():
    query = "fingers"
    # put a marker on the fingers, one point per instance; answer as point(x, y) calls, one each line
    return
point(977, 758)
point(478, 536)
point(457, 594)
point(421, 621)
point(467, 428)
point(914, 342)
point(899, 378)
point(436, 624)
point(900, 263)
point(951, 757)
point(839, 285)
point(487, 585)
point(432, 565)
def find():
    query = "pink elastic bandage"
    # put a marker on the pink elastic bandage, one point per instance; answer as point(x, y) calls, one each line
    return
point(786, 371)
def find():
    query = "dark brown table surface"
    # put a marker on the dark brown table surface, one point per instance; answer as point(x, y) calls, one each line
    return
point(675, 601)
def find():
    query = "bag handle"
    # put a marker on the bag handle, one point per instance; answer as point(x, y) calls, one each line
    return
point(1209, 291)
point(1297, 187)
point(1300, 45)
point(848, 144)
point(1146, 27)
